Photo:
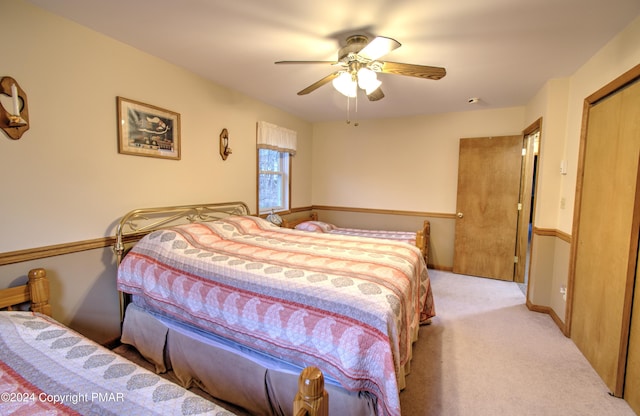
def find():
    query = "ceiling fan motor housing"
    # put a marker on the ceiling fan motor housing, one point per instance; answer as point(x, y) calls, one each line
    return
point(354, 45)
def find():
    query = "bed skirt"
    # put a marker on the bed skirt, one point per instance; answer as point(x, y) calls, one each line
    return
point(253, 383)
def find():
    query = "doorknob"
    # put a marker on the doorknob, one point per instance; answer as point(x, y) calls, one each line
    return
point(460, 214)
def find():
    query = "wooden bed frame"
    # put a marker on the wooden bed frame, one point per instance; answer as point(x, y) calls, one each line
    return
point(36, 291)
point(311, 398)
point(422, 235)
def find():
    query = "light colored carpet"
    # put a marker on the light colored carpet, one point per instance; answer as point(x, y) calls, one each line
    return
point(486, 354)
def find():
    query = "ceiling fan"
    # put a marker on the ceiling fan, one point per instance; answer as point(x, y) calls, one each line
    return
point(359, 65)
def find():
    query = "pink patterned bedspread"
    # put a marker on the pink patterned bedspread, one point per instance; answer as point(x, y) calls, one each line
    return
point(49, 369)
point(351, 306)
point(323, 227)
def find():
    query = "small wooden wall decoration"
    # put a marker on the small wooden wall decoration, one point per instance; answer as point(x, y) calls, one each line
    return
point(15, 120)
point(225, 150)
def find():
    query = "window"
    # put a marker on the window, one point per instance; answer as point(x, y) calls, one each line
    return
point(276, 146)
point(273, 180)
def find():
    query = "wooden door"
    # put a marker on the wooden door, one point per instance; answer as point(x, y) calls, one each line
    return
point(606, 234)
point(487, 207)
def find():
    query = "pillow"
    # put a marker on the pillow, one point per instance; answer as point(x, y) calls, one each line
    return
point(222, 228)
point(247, 224)
point(315, 226)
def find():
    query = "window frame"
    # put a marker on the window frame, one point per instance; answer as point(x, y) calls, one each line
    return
point(285, 172)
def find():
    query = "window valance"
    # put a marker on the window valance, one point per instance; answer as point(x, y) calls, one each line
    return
point(277, 138)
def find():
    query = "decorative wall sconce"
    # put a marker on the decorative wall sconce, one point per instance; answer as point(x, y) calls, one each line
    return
point(16, 121)
point(225, 150)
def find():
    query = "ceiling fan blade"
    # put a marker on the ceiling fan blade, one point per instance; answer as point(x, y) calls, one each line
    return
point(376, 95)
point(319, 83)
point(308, 62)
point(378, 47)
point(411, 70)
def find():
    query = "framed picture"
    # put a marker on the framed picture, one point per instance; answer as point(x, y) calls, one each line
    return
point(147, 130)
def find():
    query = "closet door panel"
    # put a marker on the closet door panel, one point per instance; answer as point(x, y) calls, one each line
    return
point(606, 226)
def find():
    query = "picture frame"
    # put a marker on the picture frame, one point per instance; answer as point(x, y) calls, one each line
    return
point(147, 130)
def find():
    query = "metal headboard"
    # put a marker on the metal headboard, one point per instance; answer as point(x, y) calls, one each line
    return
point(137, 223)
point(140, 222)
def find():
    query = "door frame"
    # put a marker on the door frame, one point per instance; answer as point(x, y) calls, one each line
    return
point(528, 176)
point(614, 86)
point(620, 82)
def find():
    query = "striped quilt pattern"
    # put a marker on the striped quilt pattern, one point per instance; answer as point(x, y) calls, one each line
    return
point(349, 305)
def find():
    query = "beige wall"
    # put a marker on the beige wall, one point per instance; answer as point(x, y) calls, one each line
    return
point(68, 161)
point(548, 273)
point(550, 104)
point(620, 55)
point(560, 103)
point(64, 180)
point(404, 163)
point(545, 279)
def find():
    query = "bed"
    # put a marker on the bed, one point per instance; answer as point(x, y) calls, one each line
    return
point(47, 368)
point(210, 289)
point(419, 238)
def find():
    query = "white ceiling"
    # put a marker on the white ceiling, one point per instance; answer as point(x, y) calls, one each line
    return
point(502, 51)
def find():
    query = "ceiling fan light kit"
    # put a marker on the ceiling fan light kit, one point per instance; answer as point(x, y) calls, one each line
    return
point(368, 80)
point(345, 84)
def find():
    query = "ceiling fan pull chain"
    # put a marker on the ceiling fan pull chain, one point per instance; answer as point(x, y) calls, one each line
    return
point(356, 124)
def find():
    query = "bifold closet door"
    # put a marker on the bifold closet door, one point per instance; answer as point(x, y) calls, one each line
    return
point(607, 235)
point(632, 378)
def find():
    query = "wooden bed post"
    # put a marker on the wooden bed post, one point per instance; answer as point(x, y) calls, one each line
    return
point(39, 290)
point(426, 235)
point(422, 239)
point(311, 398)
